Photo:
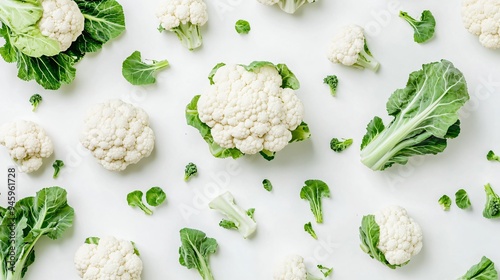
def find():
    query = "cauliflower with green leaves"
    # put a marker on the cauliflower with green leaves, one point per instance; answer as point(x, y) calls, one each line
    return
point(249, 109)
point(391, 236)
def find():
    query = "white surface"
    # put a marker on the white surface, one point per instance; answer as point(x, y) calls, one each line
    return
point(453, 241)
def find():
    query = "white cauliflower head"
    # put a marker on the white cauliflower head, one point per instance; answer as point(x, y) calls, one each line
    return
point(117, 134)
point(111, 258)
point(176, 12)
point(293, 268)
point(27, 144)
point(62, 21)
point(482, 18)
point(349, 48)
point(249, 110)
point(400, 237)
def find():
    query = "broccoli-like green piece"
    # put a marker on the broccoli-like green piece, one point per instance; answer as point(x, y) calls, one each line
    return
point(134, 199)
point(191, 170)
point(242, 26)
point(332, 81)
point(57, 167)
point(309, 229)
point(35, 100)
point(314, 191)
point(491, 156)
point(492, 207)
point(445, 202)
point(237, 218)
point(340, 145)
point(267, 185)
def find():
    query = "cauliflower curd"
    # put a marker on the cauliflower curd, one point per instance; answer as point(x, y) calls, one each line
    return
point(108, 258)
point(184, 18)
point(482, 18)
point(400, 237)
point(62, 21)
point(118, 134)
point(249, 110)
point(27, 144)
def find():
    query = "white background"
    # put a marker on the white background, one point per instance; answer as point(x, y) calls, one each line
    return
point(453, 241)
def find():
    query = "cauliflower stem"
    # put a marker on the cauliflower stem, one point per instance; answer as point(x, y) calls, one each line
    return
point(291, 6)
point(189, 34)
point(366, 60)
point(238, 217)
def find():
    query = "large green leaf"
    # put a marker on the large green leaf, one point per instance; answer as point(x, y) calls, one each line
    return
point(104, 19)
point(48, 213)
point(484, 270)
point(425, 114)
point(19, 15)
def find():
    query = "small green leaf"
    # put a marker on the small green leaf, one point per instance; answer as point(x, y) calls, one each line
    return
point(137, 72)
point(423, 29)
point(250, 213)
point(155, 196)
point(134, 199)
point(228, 224)
point(445, 202)
point(242, 26)
point(325, 270)
point(462, 199)
point(309, 229)
point(314, 191)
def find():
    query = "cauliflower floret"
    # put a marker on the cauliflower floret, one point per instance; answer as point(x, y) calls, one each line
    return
point(349, 48)
point(118, 134)
point(249, 110)
point(400, 237)
point(62, 21)
point(293, 268)
point(27, 143)
point(184, 17)
point(110, 259)
point(482, 18)
point(289, 6)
